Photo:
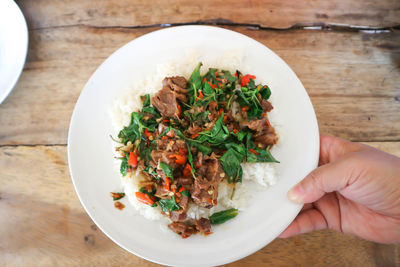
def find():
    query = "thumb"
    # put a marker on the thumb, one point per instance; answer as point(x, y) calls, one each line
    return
point(330, 177)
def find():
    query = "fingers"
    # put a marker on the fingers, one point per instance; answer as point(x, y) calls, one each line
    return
point(333, 174)
point(332, 148)
point(307, 221)
point(325, 179)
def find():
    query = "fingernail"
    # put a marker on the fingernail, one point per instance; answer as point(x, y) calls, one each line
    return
point(294, 195)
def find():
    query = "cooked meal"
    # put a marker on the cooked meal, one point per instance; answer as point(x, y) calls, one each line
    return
point(191, 136)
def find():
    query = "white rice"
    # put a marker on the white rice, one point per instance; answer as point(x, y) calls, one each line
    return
point(261, 174)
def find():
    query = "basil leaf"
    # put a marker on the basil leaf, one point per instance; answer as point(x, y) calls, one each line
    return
point(218, 134)
point(124, 165)
point(190, 160)
point(117, 196)
point(202, 148)
point(168, 170)
point(185, 193)
point(194, 83)
point(169, 204)
point(261, 155)
point(151, 110)
point(265, 92)
point(230, 162)
point(146, 100)
point(223, 216)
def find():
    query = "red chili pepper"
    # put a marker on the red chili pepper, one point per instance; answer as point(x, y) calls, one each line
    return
point(267, 123)
point(179, 110)
point(246, 79)
point(132, 160)
point(204, 80)
point(225, 118)
point(253, 151)
point(245, 108)
point(147, 133)
point(149, 188)
point(220, 111)
point(144, 198)
point(213, 86)
point(179, 159)
point(182, 151)
point(182, 188)
point(201, 96)
point(166, 120)
point(187, 171)
point(167, 184)
point(235, 130)
point(195, 135)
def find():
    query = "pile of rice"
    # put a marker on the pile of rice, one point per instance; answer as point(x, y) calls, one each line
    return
point(256, 176)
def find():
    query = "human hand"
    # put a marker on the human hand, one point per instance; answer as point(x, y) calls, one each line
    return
point(355, 190)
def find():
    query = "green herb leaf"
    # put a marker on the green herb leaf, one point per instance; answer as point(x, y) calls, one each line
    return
point(146, 100)
point(263, 155)
point(190, 160)
point(223, 216)
point(169, 204)
point(230, 162)
point(168, 170)
point(124, 164)
point(218, 134)
point(185, 193)
point(194, 83)
point(151, 110)
point(265, 92)
point(117, 196)
point(202, 148)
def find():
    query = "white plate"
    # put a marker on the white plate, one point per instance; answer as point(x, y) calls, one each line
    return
point(94, 176)
point(13, 46)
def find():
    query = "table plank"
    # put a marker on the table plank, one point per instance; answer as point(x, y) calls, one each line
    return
point(267, 13)
point(43, 222)
point(338, 70)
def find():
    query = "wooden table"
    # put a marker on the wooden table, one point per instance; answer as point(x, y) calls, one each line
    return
point(346, 53)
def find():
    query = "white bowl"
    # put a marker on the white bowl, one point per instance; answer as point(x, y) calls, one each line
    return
point(13, 46)
point(94, 175)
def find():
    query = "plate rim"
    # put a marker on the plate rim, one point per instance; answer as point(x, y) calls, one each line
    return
point(238, 255)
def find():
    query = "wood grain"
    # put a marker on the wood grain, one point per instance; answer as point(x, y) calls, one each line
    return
point(267, 13)
point(42, 222)
point(353, 80)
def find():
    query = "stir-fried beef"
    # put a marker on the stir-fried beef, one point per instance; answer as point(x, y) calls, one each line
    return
point(193, 129)
point(164, 156)
point(177, 216)
point(210, 174)
point(178, 86)
point(182, 229)
point(165, 102)
point(161, 192)
point(264, 133)
point(185, 181)
point(203, 225)
point(212, 107)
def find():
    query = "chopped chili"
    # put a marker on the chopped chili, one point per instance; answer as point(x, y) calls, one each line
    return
point(253, 151)
point(167, 184)
point(179, 159)
point(246, 79)
point(144, 198)
point(133, 159)
point(187, 171)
